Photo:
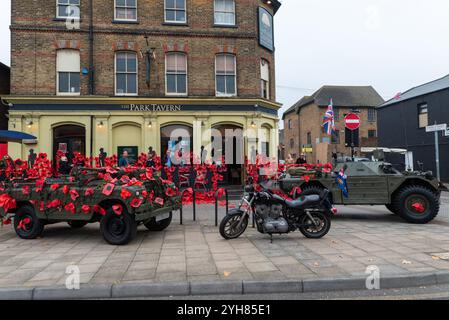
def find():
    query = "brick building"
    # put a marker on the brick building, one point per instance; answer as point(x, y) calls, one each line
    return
point(125, 73)
point(303, 122)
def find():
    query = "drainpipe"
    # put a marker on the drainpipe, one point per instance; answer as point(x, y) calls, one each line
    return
point(91, 48)
point(91, 70)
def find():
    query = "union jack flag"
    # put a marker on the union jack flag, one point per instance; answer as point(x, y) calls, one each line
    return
point(329, 121)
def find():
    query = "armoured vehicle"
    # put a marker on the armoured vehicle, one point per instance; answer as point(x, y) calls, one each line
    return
point(85, 197)
point(414, 196)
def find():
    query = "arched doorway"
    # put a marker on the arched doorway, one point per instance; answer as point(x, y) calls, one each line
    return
point(176, 137)
point(69, 138)
point(127, 137)
point(230, 146)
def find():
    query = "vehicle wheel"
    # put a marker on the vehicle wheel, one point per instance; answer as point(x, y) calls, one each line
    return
point(312, 231)
point(313, 190)
point(417, 204)
point(118, 229)
point(77, 224)
point(152, 225)
point(26, 223)
point(229, 226)
point(392, 208)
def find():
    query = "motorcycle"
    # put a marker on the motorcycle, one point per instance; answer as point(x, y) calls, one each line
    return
point(273, 214)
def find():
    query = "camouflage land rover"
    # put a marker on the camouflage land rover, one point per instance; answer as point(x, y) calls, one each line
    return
point(85, 197)
point(414, 196)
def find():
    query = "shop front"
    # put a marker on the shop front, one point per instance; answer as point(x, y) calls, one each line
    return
point(244, 127)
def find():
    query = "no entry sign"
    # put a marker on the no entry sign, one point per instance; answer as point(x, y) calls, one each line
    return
point(352, 121)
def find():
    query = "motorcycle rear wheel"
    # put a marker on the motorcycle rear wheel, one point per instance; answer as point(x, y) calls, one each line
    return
point(229, 224)
point(308, 228)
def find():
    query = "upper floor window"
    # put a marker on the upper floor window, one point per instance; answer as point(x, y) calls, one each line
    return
point(125, 10)
point(292, 143)
point(289, 124)
point(67, 8)
point(423, 115)
point(224, 12)
point(68, 72)
point(265, 78)
point(126, 73)
point(372, 134)
point(176, 74)
point(225, 74)
point(309, 138)
point(371, 114)
point(175, 11)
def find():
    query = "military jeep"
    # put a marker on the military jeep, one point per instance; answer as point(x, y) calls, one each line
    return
point(414, 196)
point(84, 198)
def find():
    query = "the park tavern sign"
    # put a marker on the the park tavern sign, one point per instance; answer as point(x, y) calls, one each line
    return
point(152, 107)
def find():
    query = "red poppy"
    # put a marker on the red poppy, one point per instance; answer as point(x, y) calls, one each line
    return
point(125, 194)
point(26, 190)
point(85, 208)
point(6, 222)
point(89, 192)
point(74, 194)
point(54, 186)
point(7, 202)
point(159, 201)
point(54, 204)
point(23, 223)
point(136, 202)
point(70, 207)
point(65, 189)
point(108, 189)
point(118, 209)
point(145, 193)
point(170, 192)
point(134, 182)
point(305, 178)
point(125, 179)
point(110, 170)
point(149, 174)
point(42, 206)
point(100, 210)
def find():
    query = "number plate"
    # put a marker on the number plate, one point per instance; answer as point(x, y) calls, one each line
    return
point(162, 216)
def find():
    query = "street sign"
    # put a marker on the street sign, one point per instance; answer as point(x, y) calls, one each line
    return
point(436, 127)
point(352, 121)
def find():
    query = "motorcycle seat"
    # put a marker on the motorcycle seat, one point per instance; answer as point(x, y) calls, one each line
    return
point(303, 201)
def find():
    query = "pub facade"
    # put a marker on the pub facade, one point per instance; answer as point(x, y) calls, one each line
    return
point(123, 75)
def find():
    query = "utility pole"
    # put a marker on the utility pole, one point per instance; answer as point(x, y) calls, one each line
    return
point(437, 154)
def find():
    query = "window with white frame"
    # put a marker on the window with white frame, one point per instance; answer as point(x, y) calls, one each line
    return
point(126, 73)
point(371, 114)
point(265, 78)
point(224, 12)
point(225, 74)
point(175, 11)
point(67, 8)
point(68, 72)
point(176, 73)
point(125, 10)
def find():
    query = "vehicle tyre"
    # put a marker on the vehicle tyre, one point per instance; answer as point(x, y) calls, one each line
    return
point(310, 230)
point(26, 223)
point(154, 225)
point(118, 229)
point(77, 224)
point(229, 224)
point(313, 190)
point(391, 208)
point(417, 204)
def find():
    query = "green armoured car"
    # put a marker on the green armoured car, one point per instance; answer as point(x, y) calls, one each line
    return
point(414, 196)
point(84, 198)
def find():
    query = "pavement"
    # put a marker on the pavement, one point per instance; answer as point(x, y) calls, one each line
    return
point(193, 259)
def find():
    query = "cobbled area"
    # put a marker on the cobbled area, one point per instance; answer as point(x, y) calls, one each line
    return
point(359, 237)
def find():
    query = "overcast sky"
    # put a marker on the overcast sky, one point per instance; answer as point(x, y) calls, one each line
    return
point(391, 45)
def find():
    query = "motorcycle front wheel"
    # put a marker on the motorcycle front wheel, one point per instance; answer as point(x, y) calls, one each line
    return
point(315, 229)
point(229, 226)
